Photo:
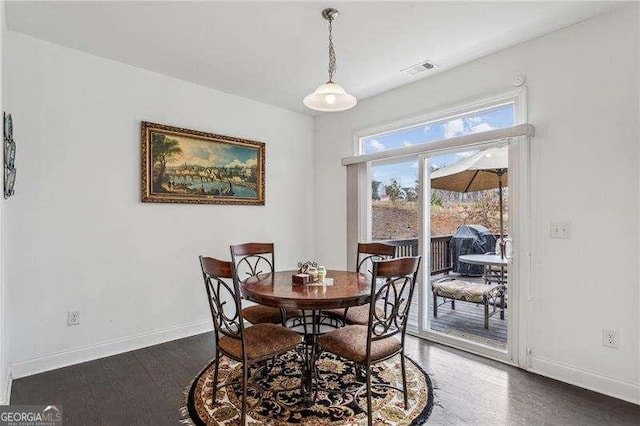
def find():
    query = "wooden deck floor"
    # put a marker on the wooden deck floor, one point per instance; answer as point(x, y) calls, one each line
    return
point(466, 321)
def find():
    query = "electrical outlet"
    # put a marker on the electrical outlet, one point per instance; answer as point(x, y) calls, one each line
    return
point(610, 338)
point(73, 317)
point(560, 230)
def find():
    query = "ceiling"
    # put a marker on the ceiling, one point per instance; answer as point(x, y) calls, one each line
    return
point(276, 52)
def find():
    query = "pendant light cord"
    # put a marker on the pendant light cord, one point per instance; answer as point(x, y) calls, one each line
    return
point(332, 54)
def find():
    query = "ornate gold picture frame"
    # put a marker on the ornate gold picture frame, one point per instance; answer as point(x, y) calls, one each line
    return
point(188, 166)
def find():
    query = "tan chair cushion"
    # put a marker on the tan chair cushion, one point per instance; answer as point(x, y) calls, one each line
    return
point(356, 315)
point(359, 315)
point(464, 290)
point(350, 342)
point(262, 340)
point(259, 314)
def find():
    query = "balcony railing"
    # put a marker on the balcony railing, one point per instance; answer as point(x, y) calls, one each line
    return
point(440, 252)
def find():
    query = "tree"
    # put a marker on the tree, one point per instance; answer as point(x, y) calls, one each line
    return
point(413, 193)
point(436, 198)
point(394, 191)
point(486, 211)
point(162, 149)
point(375, 187)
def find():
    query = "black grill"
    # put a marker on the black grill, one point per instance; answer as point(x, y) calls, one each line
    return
point(471, 239)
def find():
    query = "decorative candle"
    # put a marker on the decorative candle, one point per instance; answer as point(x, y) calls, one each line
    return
point(322, 272)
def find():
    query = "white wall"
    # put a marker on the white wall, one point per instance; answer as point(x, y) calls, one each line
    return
point(583, 101)
point(4, 370)
point(79, 237)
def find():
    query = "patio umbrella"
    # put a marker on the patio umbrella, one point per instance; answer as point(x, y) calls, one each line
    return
point(485, 170)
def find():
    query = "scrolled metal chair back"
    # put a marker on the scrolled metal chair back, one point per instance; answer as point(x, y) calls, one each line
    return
point(253, 259)
point(396, 280)
point(368, 253)
point(224, 298)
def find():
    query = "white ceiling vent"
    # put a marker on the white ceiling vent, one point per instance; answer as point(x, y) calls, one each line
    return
point(419, 68)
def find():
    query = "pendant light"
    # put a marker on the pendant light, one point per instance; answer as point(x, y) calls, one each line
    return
point(330, 96)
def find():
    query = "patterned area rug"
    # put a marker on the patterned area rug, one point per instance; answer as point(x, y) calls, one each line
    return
point(269, 401)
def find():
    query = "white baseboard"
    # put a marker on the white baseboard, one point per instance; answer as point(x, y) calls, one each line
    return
point(586, 379)
point(7, 389)
point(105, 349)
point(5, 396)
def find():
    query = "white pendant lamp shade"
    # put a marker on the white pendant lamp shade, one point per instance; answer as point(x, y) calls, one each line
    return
point(330, 97)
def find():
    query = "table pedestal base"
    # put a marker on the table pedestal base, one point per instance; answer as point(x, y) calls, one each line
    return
point(311, 324)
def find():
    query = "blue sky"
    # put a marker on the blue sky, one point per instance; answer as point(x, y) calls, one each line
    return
point(407, 172)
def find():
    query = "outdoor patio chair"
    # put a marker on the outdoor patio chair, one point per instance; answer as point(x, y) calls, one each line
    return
point(452, 289)
point(498, 274)
point(495, 274)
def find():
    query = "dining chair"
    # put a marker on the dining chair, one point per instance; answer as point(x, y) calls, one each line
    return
point(367, 254)
point(250, 260)
point(250, 345)
point(384, 335)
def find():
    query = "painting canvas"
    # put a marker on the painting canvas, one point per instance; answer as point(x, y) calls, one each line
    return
point(188, 166)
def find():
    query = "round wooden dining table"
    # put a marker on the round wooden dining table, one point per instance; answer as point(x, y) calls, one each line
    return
point(277, 290)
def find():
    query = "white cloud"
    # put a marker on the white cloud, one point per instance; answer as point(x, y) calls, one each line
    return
point(199, 154)
point(376, 145)
point(456, 127)
point(482, 127)
point(250, 162)
point(407, 143)
point(453, 128)
point(414, 165)
point(427, 128)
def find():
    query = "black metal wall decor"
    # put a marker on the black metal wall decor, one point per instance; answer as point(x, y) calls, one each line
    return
point(9, 157)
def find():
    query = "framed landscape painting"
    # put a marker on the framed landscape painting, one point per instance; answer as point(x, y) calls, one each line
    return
point(188, 166)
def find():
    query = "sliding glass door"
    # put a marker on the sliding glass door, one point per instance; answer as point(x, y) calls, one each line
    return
point(447, 205)
point(468, 221)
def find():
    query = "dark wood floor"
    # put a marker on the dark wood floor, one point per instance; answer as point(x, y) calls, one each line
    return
point(146, 387)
